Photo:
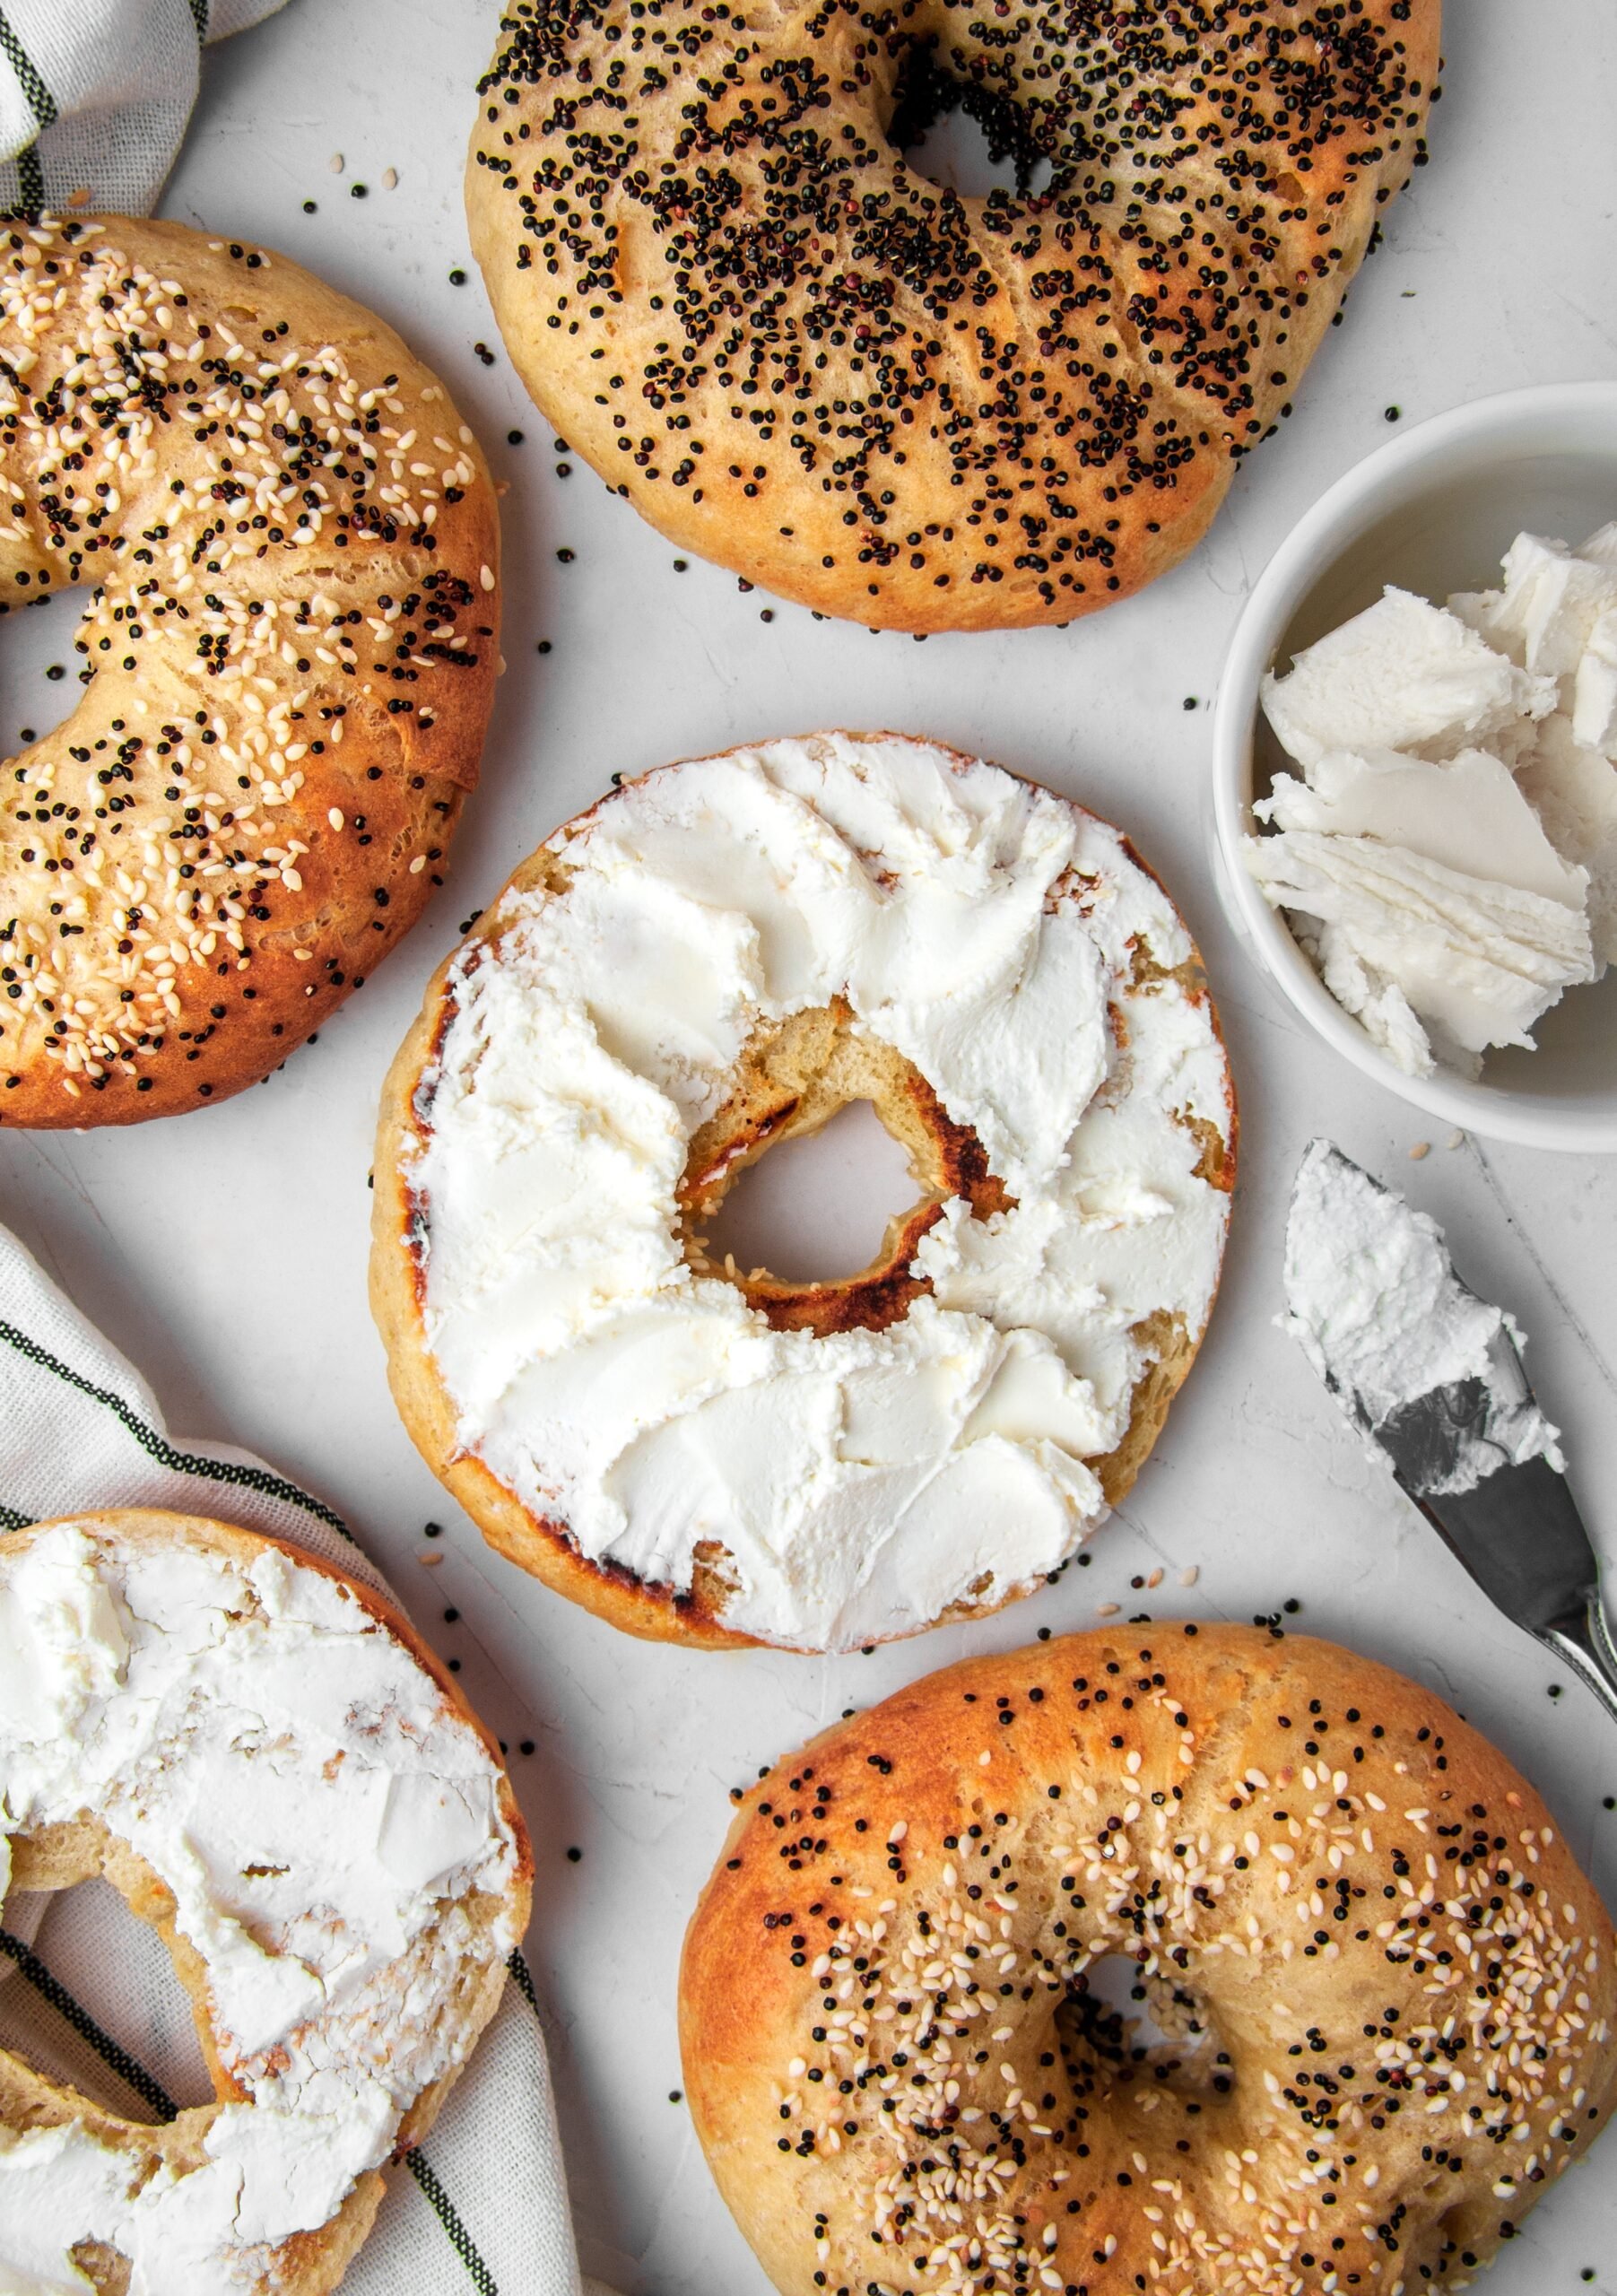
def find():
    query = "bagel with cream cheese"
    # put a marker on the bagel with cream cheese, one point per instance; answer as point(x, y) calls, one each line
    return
point(273, 1771)
point(712, 960)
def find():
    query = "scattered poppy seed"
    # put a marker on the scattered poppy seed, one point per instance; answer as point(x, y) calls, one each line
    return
point(565, 556)
point(1393, 413)
point(675, 2096)
point(434, 1531)
point(359, 191)
point(311, 208)
point(1190, 701)
point(526, 1747)
point(574, 1855)
point(513, 438)
point(544, 647)
point(457, 278)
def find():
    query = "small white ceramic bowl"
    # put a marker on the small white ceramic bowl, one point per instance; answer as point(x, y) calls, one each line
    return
point(1433, 511)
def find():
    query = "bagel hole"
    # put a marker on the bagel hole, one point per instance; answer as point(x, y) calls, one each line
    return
point(1125, 2021)
point(37, 643)
point(115, 1968)
point(962, 137)
point(815, 1208)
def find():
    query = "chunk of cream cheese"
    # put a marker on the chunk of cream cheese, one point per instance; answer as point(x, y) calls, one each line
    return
point(314, 1805)
point(863, 1482)
point(1373, 1301)
point(1457, 789)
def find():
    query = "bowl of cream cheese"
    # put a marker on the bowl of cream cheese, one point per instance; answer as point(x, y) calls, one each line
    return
point(1416, 767)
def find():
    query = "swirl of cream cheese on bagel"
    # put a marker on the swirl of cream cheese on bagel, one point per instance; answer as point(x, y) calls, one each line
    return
point(322, 1815)
point(864, 1481)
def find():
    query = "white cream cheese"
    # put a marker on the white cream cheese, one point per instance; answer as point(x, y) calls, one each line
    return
point(319, 1813)
point(1373, 1299)
point(860, 1483)
point(1458, 788)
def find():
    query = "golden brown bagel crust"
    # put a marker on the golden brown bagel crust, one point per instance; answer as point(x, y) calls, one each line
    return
point(308, 2264)
point(1405, 1987)
point(291, 646)
point(767, 1106)
point(793, 353)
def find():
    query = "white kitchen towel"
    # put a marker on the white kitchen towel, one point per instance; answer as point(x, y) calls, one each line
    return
point(483, 2205)
point(95, 95)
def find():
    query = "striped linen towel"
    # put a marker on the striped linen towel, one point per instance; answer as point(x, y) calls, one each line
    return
point(95, 95)
point(484, 2206)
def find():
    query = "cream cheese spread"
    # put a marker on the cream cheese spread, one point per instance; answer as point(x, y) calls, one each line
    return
point(321, 1815)
point(1373, 1301)
point(1449, 854)
point(860, 1483)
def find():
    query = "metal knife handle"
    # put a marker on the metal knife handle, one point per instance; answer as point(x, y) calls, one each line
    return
point(1585, 1642)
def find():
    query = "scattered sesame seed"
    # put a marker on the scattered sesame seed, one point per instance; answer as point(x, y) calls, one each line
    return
point(336, 163)
point(390, 179)
point(1422, 1148)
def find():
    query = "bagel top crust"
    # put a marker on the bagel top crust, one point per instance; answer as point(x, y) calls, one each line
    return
point(1389, 1991)
point(793, 353)
point(291, 648)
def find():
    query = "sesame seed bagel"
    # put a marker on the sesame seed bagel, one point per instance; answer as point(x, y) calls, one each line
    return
point(718, 957)
point(720, 279)
point(276, 1774)
point(292, 545)
point(1388, 1991)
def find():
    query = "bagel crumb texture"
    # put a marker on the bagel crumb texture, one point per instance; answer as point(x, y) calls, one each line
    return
point(1386, 1990)
point(720, 279)
point(290, 648)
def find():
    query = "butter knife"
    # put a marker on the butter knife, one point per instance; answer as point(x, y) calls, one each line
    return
point(1374, 1299)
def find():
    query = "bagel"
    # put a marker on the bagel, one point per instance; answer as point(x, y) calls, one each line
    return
point(274, 1771)
point(1388, 1991)
point(291, 644)
point(712, 960)
point(719, 279)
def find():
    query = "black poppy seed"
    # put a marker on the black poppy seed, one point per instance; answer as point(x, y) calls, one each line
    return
point(574, 1855)
point(544, 647)
point(565, 556)
point(457, 278)
point(434, 1531)
point(526, 1747)
point(514, 437)
point(675, 2096)
point(1393, 413)
point(311, 208)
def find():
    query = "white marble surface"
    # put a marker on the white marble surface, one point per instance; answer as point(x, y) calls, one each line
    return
point(226, 1250)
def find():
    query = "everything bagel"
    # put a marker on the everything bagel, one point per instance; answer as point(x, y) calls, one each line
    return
point(1391, 1991)
point(720, 279)
point(291, 541)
